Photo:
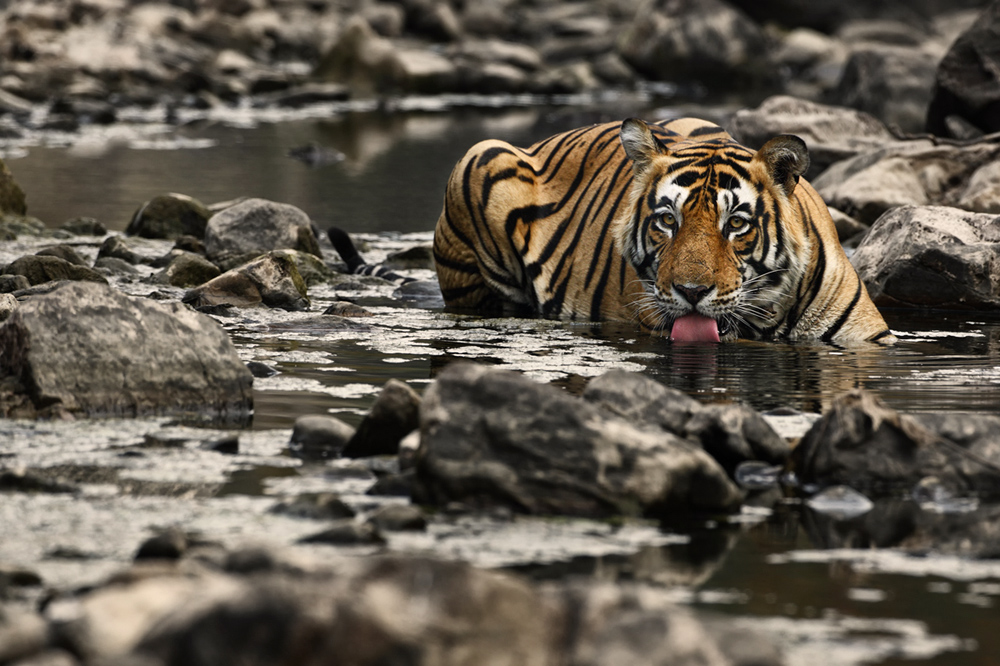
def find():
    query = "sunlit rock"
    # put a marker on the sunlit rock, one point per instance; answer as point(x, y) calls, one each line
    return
point(932, 256)
point(87, 349)
point(257, 226)
point(169, 216)
point(272, 280)
point(493, 437)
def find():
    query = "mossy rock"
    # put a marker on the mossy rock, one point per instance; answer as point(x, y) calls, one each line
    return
point(170, 216)
point(12, 200)
point(12, 226)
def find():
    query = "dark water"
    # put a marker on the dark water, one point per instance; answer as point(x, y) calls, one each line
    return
point(776, 569)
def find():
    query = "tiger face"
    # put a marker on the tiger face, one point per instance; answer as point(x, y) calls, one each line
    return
point(706, 233)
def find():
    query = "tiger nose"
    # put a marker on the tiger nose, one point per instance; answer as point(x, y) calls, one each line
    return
point(692, 293)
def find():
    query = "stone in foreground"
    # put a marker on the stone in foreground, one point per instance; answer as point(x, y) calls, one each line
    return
point(87, 349)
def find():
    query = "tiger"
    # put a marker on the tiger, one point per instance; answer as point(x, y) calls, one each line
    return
point(673, 226)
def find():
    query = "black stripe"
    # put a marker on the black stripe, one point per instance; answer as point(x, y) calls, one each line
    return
point(844, 316)
point(884, 334)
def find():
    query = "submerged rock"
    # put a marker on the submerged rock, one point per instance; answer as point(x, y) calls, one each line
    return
point(320, 436)
point(86, 348)
point(169, 216)
point(257, 226)
point(932, 256)
point(271, 280)
point(493, 437)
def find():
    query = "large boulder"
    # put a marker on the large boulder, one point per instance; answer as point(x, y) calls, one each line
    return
point(862, 443)
point(730, 433)
point(85, 348)
point(932, 256)
point(832, 133)
point(494, 437)
point(257, 226)
point(272, 280)
point(893, 83)
point(169, 216)
point(967, 84)
point(697, 42)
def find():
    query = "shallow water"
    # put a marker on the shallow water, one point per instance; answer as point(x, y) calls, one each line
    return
point(775, 567)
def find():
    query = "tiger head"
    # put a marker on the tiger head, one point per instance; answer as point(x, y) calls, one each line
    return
point(706, 232)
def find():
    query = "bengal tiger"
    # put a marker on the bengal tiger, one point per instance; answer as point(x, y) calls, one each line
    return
point(672, 225)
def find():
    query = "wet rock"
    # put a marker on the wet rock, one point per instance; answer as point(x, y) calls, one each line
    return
point(902, 173)
point(495, 438)
point(932, 256)
point(12, 226)
point(696, 42)
point(393, 485)
point(346, 533)
point(315, 506)
point(113, 265)
point(86, 348)
point(187, 269)
point(41, 269)
point(257, 226)
point(64, 252)
point(117, 248)
point(271, 280)
point(419, 256)
point(11, 195)
point(310, 266)
point(346, 309)
point(840, 502)
point(832, 133)
point(432, 19)
point(320, 436)
point(261, 370)
point(84, 226)
point(892, 83)
point(11, 283)
point(732, 434)
point(393, 416)
point(171, 544)
point(862, 443)
point(399, 518)
point(169, 216)
point(27, 481)
point(967, 81)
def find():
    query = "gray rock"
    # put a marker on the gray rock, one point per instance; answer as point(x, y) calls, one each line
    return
point(862, 443)
point(7, 306)
point(831, 133)
point(315, 506)
point(41, 269)
point(701, 42)
point(86, 348)
point(346, 533)
point(982, 193)
point(11, 283)
point(64, 252)
point(393, 416)
point(731, 434)
point(932, 256)
point(419, 256)
point(84, 226)
point(493, 437)
point(399, 518)
point(967, 81)
point(320, 436)
point(118, 248)
point(258, 226)
point(271, 280)
point(111, 265)
point(169, 216)
point(310, 266)
point(893, 83)
point(187, 269)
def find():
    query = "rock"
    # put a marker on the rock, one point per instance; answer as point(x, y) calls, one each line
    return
point(346, 533)
point(862, 443)
point(393, 485)
point(86, 348)
point(387, 19)
point(170, 544)
point(310, 266)
point(399, 518)
point(112, 265)
point(902, 173)
point(967, 81)
point(393, 416)
point(84, 226)
point(116, 247)
point(11, 283)
point(7, 306)
point(346, 309)
point(257, 226)
point(21, 636)
point(847, 226)
point(932, 256)
point(271, 280)
point(732, 434)
point(493, 437)
point(64, 252)
point(432, 19)
point(982, 193)
point(315, 506)
point(890, 82)
point(11, 195)
point(697, 42)
point(831, 133)
point(169, 216)
point(41, 269)
point(417, 257)
point(187, 269)
point(422, 72)
point(320, 436)
point(12, 226)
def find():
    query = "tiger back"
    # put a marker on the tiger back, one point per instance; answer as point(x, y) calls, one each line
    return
point(671, 225)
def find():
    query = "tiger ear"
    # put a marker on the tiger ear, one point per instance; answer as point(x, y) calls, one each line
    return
point(786, 158)
point(640, 145)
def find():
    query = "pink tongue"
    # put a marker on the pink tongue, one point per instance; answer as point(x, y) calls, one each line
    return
point(695, 328)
